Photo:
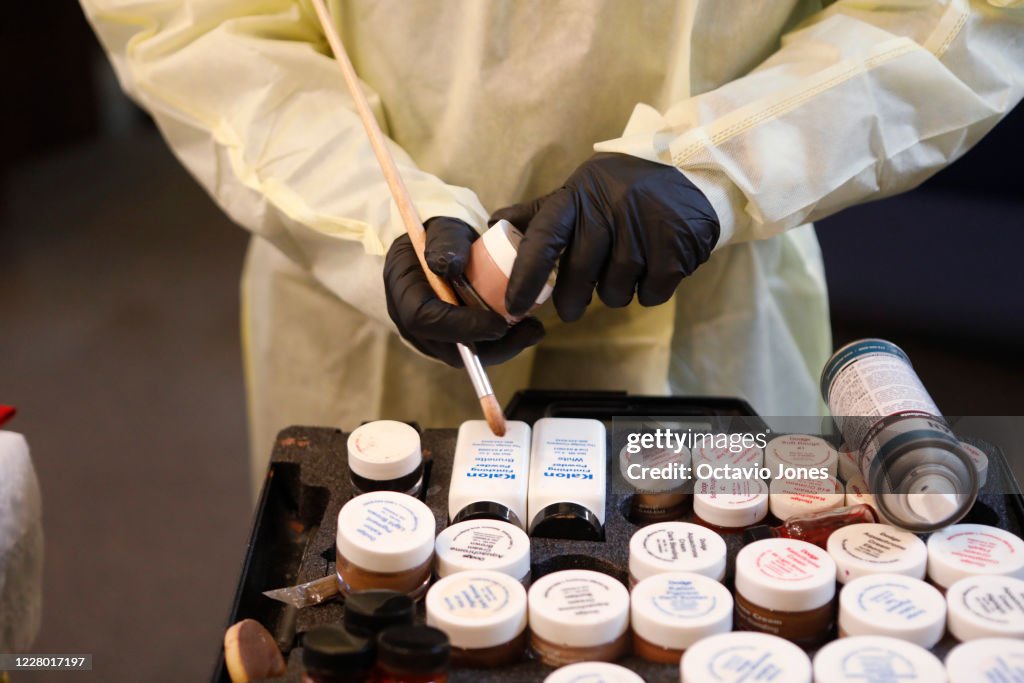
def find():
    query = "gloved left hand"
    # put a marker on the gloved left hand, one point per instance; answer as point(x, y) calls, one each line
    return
point(621, 224)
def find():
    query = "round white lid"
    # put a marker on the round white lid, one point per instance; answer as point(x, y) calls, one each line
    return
point(892, 605)
point(483, 544)
point(876, 659)
point(593, 672)
point(744, 656)
point(986, 659)
point(578, 608)
point(848, 459)
point(677, 609)
point(862, 549)
point(383, 450)
point(964, 550)
point(785, 574)
point(731, 503)
point(800, 450)
point(980, 461)
point(477, 608)
point(789, 497)
point(676, 547)
point(385, 531)
point(654, 458)
point(986, 607)
point(722, 455)
point(502, 243)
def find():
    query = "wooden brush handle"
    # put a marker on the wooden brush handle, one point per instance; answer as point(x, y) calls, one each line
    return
point(413, 226)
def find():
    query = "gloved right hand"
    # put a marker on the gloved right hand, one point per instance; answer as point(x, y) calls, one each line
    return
point(434, 327)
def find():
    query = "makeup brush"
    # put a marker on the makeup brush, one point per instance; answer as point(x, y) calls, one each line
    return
point(481, 384)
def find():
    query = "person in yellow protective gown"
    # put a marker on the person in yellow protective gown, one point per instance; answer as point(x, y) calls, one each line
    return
point(778, 113)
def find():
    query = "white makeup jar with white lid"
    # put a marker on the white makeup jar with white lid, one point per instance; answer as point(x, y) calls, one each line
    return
point(578, 615)
point(892, 605)
point(385, 540)
point(744, 656)
point(787, 588)
point(986, 607)
point(484, 615)
point(864, 549)
point(790, 497)
point(676, 547)
point(876, 659)
point(800, 451)
point(730, 505)
point(593, 672)
point(483, 544)
point(986, 659)
point(963, 550)
point(670, 612)
point(385, 455)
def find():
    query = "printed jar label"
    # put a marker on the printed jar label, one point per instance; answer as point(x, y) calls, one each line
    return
point(742, 663)
point(580, 597)
point(790, 564)
point(877, 665)
point(682, 599)
point(482, 543)
point(475, 597)
point(669, 547)
point(1000, 605)
point(978, 548)
point(386, 518)
point(800, 450)
point(877, 547)
point(893, 600)
point(567, 458)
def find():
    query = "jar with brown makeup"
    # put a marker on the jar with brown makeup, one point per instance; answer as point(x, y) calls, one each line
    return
point(484, 615)
point(578, 615)
point(787, 588)
point(385, 540)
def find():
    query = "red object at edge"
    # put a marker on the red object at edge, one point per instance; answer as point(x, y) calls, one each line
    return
point(6, 413)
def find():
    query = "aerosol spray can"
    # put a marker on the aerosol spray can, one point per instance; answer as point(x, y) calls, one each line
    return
point(912, 462)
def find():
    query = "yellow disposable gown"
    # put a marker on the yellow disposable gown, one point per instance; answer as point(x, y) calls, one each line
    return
point(781, 111)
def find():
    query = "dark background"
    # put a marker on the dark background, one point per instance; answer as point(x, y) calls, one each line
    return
point(119, 341)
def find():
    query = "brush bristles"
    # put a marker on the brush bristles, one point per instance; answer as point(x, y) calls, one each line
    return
point(492, 413)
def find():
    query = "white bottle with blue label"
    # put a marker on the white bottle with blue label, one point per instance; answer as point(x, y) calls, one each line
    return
point(490, 473)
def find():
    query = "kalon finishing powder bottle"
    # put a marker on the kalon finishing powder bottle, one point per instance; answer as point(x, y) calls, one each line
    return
point(994, 660)
point(876, 659)
point(671, 612)
point(744, 658)
point(484, 615)
point(676, 547)
point(791, 497)
point(787, 588)
point(864, 549)
point(490, 473)
point(730, 505)
point(385, 540)
point(892, 605)
point(964, 550)
point(795, 452)
point(385, 456)
point(986, 607)
point(483, 544)
point(578, 615)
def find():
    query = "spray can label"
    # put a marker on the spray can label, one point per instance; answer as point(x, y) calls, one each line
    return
point(871, 378)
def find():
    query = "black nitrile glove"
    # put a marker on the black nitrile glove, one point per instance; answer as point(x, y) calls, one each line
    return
point(431, 325)
point(620, 223)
